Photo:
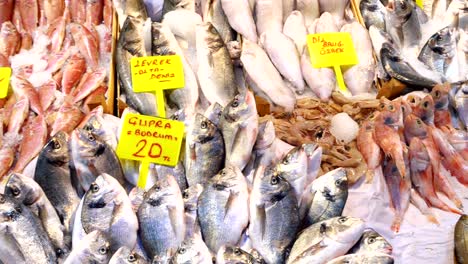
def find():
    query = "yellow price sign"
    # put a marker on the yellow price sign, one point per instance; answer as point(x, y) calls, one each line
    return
point(420, 3)
point(332, 50)
point(150, 140)
point(5, 74)
point(157, 73)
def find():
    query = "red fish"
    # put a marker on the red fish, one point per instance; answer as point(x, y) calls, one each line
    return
point(26, 41)
point(68, 117)
point(368, 148)
point(94, 10)
point(47, 94)
point(18, 115)
point(4, 61)
point(422, 175)
point(86, 44)
point(57, 60)
point(107, 14)
point(57, 32)
point(78, 10)
point(90, 82)
point(53, 9)
point(7, 156)
point(425, 110)
point(72, 72)
point(23, 87)
point(29, 12)
point(6, 10)
point(399, 188)
point(442, 117)
point(10, 39)
point(34, 138)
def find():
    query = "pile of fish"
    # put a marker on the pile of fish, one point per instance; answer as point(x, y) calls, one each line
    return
point(413, 140)
point(270, 57)
point(420, 48)
point(60, 54)
point(233, 198)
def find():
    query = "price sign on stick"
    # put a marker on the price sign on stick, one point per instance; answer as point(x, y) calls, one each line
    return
point(152, 139)
point(5, 74)
point(332, 50)
point(420, 3)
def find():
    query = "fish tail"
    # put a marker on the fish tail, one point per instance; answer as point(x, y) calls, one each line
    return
point(436, 202)
point(396, 224)
point(432, 219)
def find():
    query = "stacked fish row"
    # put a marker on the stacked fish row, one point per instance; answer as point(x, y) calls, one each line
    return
point(272, 50)
point(60, 58)
point(422, 151)
point(77, 199)
point(420, 48)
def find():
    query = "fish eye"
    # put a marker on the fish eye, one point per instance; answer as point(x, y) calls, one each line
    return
point(204, 124)
point(235, 103)
point(418, 121)
point(237, 251)
point(274, 180)
point(391, 108)
point(371, 240)
point(426, 104)
point(339, 182)
point(185, 194)
point(59, 252)
point(437, 94)
point(342, 219)
point(223, 173)
point(88, 128)
point(213, 30)
point(91, 137)
point(181, 250)
point(403, 109)
point(15, 191)
point(404, 5)
point(382, 106)
point(157, 188)
point(412, 100)
point(286, 159)
point(103, 250)
point(2, 199)
point(94, 187)
point(55, 144)
point(131, 258)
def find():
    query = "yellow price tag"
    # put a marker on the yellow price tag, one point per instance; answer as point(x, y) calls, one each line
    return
point(150, 140)
point(332, 50)
point(5, 74)
point(420, 3)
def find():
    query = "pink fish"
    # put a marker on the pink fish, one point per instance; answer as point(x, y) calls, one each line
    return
point(73, 72)
point(47, 94)
point(18, 115)
point(4, 61)
point(425, 110)
point(108, 14)
point(442, 117)
point(90, 82)
point(10, 39)
point(6, 10)
point(86, 44)
point(368, 147)
point(94, 10)
point(29, 12)
point(68, 117)
point(53, 9)
point(57, 31)
point(7, 156)
point(23, 87)
point(57, 60)
point(78, 10)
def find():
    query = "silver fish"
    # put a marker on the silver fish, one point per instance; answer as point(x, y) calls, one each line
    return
point(240, 17)
point(239, 126)
point(18, 222)
point(171, 5)
point(405, 21)
point(325, 197)
point(235, 255)
point(223, 207)
point(373, 13)
point(192, 251)
point(438, 51)
point(326, 240)
point(215, 69)
point(216, 16)
point(368, 258)
point(91, 157)
point(213, 113)
point(10, 252)
point(131, 44)
point(191, 196)
point(26, 191)
point(178, 171)
point(94, 248)
point(125, 255)
point(107, 208)
point(161, 218)
point(53, 175)
point(274, 216)
point(372, 242)
point(206, 151)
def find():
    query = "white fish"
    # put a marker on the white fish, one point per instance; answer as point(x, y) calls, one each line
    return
point(284, 55)
point(295, 28)
point(240, 17)
point(310, 10)
point(288, 7)
point(265, 76)
point(269, 15)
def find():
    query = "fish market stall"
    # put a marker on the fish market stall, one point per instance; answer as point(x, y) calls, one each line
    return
point(233, 131)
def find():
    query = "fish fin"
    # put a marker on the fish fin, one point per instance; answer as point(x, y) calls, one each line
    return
point(313, 249)
point(306, 202)
point(174, 218)
point(229, 202)
point(193, 154)
point(210, 60)
point(261, 215)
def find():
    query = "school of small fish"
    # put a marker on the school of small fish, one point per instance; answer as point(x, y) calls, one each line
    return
point(248, 188)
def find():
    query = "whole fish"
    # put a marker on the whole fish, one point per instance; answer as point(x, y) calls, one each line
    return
point(461, 237)
point(399, 188)
point(283, 53)
point(94, 248)
point(86, 43)
point(373, 12)
point(131, 44)
point(235, 255)
point(265, 76)
point(440, 95)
point(27, 231)
point(91, 157)
point(215, 69)
point(403, 18)
point(29, 193)
point(422, 176)
point(191, 196)
point(125, 255)
point(23, 87)
point(216, 16)
point(10, 39)
point(425, 110)
point(192, 251)
point(269, 15)
point(325, 197)
point(29, 13)
point(53, 175)
point(274, 216)
point(438, 51)
point(326, 240)
point(88, 84)
point(368, 147)
point(372, 242)
point(294, 27)
point(161, 218)
point(239, 126)
point(421, 204)
point(68, 117)
point(206, 151)
point(6, 11)
point(367, 258)
point(300, 166)
point(223, 207)
point(310, 10)
point(240, 17)
point(399, 69)
point(107, 208)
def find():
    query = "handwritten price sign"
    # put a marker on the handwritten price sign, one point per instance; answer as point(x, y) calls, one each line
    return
point(332, 50)
point(151, 139)
point(157, 72)
point(5, 74)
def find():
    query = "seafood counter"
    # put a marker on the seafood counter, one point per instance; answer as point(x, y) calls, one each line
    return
point(277, 165)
